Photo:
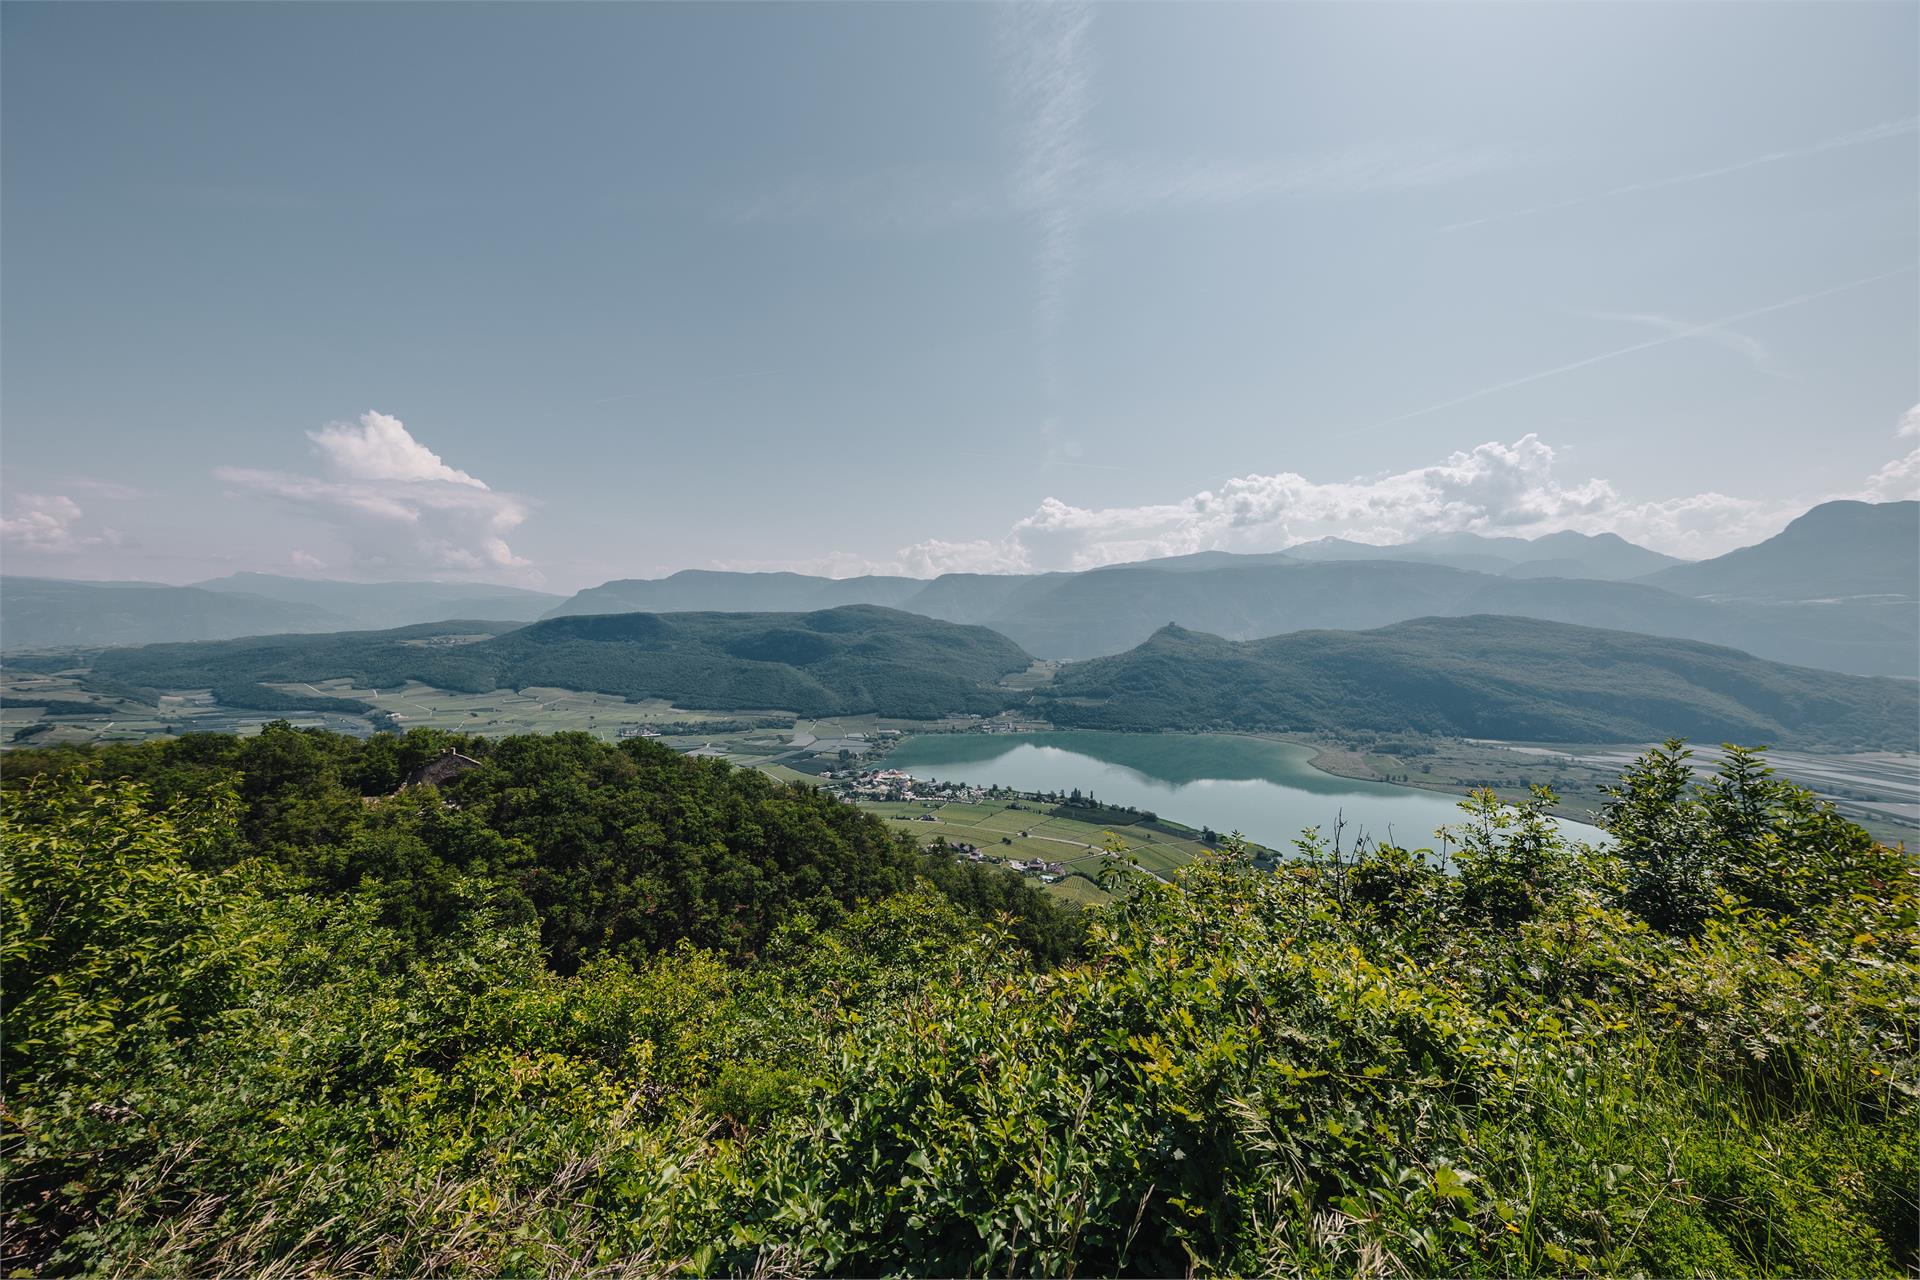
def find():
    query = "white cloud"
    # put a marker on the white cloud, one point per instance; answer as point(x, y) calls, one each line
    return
point(306, 560)
point(381, 448)
point(1495, 489)
point(43, 522)
point(1899, 480)
point(395, 503)
point(934, 557)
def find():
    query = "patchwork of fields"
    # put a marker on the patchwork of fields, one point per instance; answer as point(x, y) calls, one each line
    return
point(1031, 831)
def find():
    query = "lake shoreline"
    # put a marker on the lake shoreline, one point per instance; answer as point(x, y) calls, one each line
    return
point(1263, 786)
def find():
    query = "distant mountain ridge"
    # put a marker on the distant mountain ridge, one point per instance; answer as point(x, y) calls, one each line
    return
point(1837, 551)
point(378, 605)
point(48, 612)
point(714, 590)
point(1336, 585)
point(1836, 589)
point(1484, 676)
point(1565, 554)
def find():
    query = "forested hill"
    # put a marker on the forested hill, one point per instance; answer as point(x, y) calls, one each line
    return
point(609, 850)
point(1484, 676)
point(836, 661)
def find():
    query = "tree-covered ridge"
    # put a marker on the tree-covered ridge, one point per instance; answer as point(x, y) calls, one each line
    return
point(847, 660)
point(610, 850)
point(1693, 1052)
point(1519, 679)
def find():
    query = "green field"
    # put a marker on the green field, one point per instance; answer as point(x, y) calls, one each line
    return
point(413, 706)
point(1076, 844)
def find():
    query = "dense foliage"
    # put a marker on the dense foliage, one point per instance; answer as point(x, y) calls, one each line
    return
point(624, 850)
point(1495, 677)
point(1692, 1052)
point(835, 661)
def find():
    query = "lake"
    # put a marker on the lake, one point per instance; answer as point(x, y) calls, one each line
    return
point(1268, 791)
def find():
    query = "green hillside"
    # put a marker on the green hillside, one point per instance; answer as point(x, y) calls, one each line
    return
point(1484, 676)
point(838, 661)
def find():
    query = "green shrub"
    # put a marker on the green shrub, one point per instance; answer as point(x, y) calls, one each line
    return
point(222, 1063)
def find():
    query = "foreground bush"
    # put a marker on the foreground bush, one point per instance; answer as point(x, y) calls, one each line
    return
point(1545, 1063)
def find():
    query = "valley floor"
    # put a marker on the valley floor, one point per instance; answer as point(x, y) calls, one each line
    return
point(1881, 791)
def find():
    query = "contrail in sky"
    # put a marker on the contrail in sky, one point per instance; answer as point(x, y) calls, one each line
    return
point(1859, 137)
point(1678, 335)
point(1050, 81)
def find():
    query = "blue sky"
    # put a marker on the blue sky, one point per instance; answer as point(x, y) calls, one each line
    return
point(552, 294)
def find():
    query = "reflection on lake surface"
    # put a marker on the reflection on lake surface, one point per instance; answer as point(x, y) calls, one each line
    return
point(1265, 790)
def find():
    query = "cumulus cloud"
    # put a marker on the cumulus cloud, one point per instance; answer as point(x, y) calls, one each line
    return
point(43, 522)
point(381, 448)
point(1899, 480)
point(1511, 489)
point(397, 505)
point(1503, 488)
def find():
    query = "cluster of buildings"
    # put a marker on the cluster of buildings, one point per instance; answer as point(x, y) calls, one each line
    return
point(878, 784)
point(1047, 871)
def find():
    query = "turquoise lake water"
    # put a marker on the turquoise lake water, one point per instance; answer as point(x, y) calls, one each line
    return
point(1265, 790)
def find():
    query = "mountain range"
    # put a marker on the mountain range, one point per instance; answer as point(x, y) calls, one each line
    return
point(47, 612)
point(1839, 589)
point(1554, 555)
